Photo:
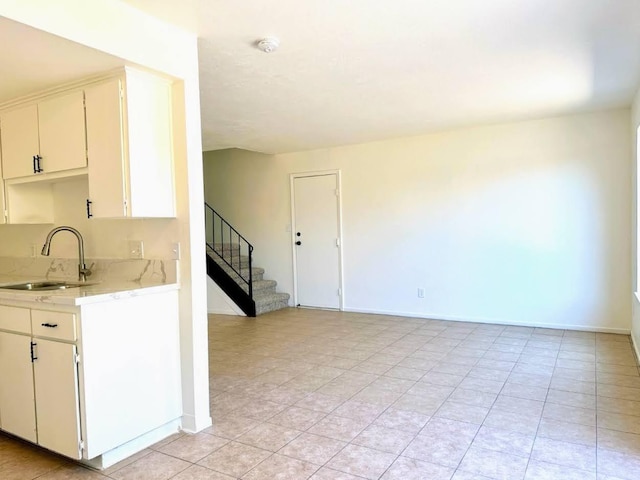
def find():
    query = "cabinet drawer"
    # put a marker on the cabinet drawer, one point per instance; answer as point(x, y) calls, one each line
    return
point(15, 319)
point(60, 325)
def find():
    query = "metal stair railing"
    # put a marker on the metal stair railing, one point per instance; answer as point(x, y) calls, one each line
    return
point(228, 245)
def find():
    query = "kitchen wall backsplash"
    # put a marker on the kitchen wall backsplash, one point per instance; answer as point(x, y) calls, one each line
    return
point(140, 271)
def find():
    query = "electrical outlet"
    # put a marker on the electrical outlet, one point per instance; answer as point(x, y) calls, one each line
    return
point(421, 293)
point(34, 250)
point(136, 249)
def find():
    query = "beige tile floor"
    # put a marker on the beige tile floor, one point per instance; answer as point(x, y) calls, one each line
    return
point(300, 394)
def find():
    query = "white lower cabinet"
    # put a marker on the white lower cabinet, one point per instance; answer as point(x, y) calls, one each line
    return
point(55, 376)
point(86, 381)
point(39, 380)
point(17, 398)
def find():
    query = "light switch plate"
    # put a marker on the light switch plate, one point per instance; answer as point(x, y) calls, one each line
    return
point(175, 251)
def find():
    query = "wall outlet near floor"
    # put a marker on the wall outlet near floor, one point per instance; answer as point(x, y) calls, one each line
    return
point(420, 292)
point(136, 249)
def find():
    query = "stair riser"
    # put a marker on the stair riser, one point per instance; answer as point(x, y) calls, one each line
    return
point(271, 307)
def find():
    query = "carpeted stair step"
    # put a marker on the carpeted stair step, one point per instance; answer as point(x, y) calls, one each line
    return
point(270, 302)
point(244, 266)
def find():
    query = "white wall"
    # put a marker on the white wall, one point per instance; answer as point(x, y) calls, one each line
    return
point(523, 223)
point(635, 301)
point(118, 29)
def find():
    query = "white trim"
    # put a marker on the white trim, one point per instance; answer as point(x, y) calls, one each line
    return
point(194, 424)
point(636, 346)
point(492, 321)
point(319, 173)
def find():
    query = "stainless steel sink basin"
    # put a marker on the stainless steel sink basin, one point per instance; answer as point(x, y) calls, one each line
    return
point(37, 286)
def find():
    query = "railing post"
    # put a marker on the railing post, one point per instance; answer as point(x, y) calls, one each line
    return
point(250, 271)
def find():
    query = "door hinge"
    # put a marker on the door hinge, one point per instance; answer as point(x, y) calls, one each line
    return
point(337, 192)
point(76, 358)
point(337, 242)
point(81, 445)
point(339, 292)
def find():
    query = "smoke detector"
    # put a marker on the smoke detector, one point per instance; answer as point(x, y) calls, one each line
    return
point(268, 45)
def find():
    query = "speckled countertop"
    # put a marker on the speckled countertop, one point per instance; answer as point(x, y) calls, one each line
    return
point(111, 280)
point(91, 293)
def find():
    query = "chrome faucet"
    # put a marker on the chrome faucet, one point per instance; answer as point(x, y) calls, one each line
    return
point(83, 271)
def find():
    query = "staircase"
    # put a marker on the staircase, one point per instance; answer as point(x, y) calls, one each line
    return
point(229, 264)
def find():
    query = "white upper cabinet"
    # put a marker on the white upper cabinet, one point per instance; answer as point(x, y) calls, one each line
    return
point(46, 137)
point(20, 142)
point(129, 143)
point(62, 133)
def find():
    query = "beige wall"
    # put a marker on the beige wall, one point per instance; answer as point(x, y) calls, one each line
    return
point(522, 223)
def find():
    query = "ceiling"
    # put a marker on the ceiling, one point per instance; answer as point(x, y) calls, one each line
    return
point(38, 60)
point(362, 70)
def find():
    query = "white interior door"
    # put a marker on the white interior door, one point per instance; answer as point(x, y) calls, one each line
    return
point(317, 240)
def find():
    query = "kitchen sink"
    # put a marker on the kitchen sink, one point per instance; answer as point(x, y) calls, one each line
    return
point(38, 286)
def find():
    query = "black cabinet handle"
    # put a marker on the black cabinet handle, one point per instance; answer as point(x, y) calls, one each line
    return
point(33, 357)
point(298, 242)
point(35, 169)
point(298, 234)
point(38, 167)
point(89, 214)
point(49, 325)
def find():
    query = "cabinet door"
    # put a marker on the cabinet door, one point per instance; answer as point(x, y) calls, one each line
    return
point(62, 133)
point(105, 149)
point(56, 387)
point(19, 130)
point(150, 148)
point(17, 408)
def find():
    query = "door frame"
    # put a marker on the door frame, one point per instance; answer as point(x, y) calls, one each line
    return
point(318, 173)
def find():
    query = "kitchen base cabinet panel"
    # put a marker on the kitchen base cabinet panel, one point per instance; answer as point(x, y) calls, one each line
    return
point(130, 369)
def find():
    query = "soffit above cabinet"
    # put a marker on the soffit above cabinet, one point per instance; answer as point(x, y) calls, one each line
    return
point(38, 60)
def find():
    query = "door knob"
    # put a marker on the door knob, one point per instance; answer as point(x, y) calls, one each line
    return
point(298, 242)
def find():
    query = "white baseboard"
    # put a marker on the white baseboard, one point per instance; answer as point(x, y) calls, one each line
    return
point(493, 321)
point(136, 445)
point(191, 424)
